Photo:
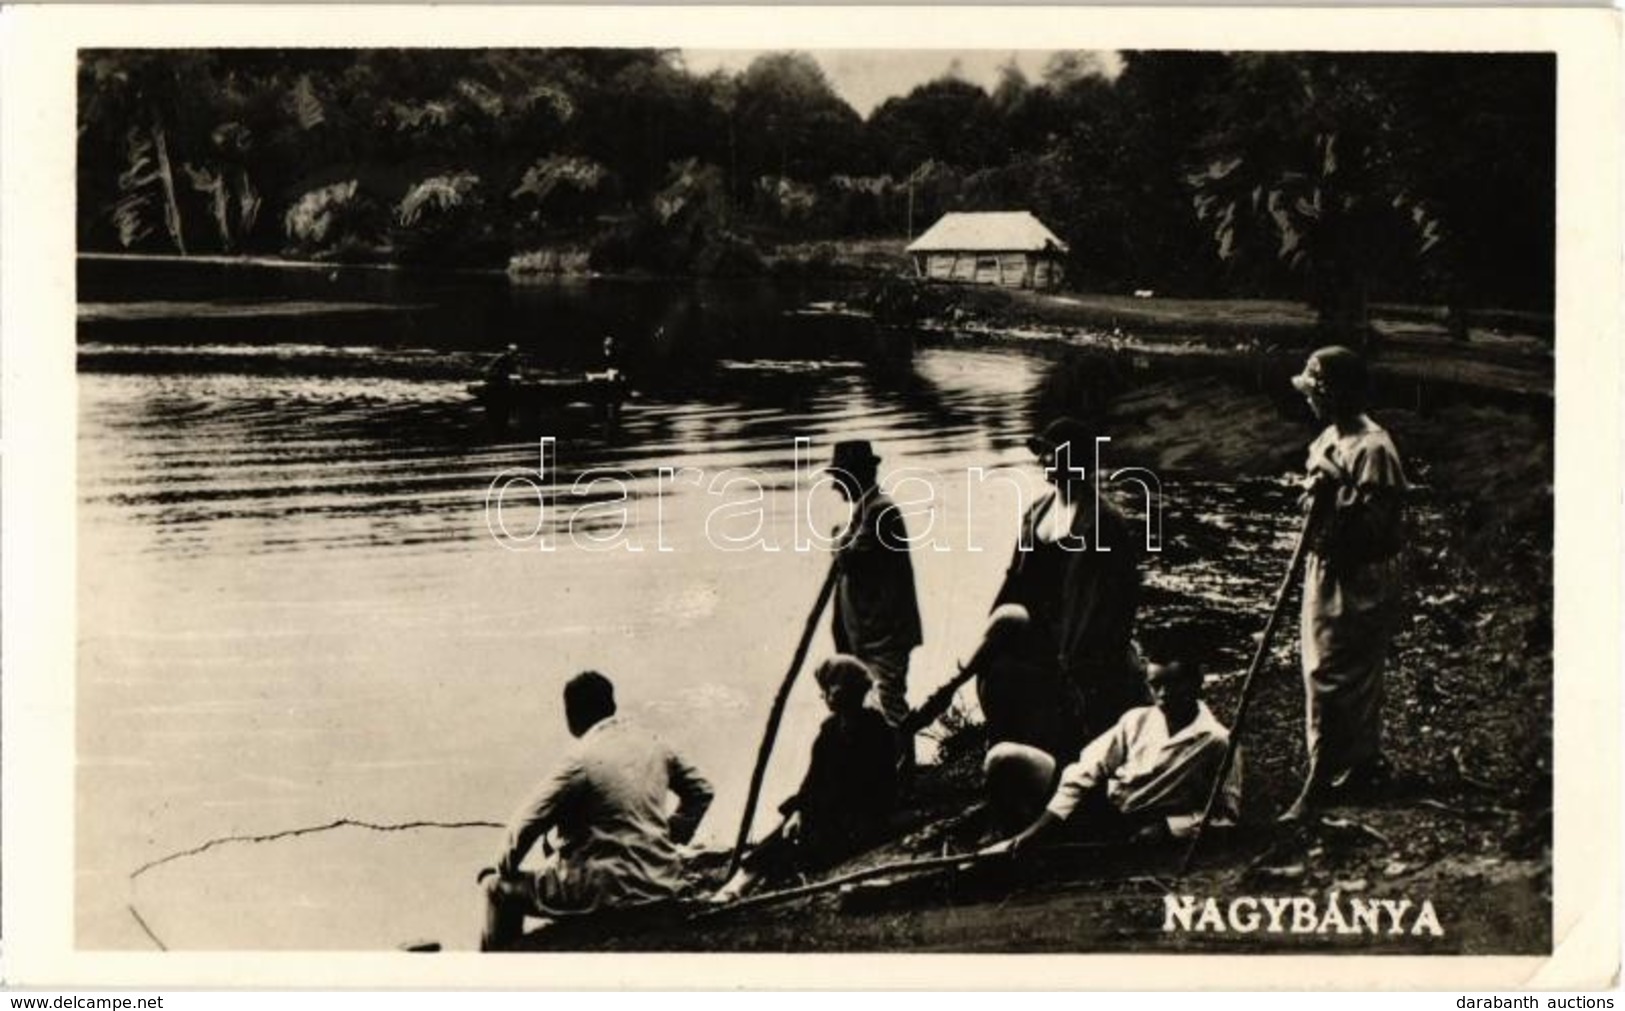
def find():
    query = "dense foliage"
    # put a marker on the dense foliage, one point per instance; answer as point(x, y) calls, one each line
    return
point(1332, 177)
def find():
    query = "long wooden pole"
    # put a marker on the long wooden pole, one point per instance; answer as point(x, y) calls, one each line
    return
point(911, 866)
point(777, 713)
point(1005, 620)
point(1299, 553)
point(933, 707)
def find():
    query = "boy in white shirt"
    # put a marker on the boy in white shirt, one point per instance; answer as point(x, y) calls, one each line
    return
point(1153, 769)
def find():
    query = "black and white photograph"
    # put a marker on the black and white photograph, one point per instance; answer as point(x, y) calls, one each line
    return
point(801, 499)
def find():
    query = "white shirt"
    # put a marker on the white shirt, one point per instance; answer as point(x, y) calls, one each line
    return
point(1145, 768)
point(607, 804)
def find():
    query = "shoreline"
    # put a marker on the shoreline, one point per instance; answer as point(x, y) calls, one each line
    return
point(1514, 360)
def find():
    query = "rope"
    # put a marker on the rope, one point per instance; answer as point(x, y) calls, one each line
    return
point(308, 830)
point(148, 930)
point(291, 833)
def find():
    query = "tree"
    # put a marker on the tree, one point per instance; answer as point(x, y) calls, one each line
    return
point(1338, 177)
point(1475, 146)
point(947, 120)
point(1299, 167)
point(141, 98)
point(562, 190)
point(1164, 103)
point(791, 123)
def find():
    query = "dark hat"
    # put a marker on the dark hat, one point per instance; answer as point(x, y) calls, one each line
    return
point(1334, 372)
point(853, 456)
point(1061, 430)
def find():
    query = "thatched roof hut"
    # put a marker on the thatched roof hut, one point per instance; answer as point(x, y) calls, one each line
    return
point(1009, 248)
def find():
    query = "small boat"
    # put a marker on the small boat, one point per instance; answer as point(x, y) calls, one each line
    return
point(520, 394)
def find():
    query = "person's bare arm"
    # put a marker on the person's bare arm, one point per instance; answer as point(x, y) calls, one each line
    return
point(533, 819)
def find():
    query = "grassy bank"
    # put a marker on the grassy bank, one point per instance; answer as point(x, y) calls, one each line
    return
point(1225, 321)
point(1411, 346)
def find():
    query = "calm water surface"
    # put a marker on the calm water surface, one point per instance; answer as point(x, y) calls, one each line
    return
point(293, 609)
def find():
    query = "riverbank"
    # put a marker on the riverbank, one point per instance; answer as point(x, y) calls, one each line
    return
point(1506, 351)
point(1466, 828)
point(1221, 319)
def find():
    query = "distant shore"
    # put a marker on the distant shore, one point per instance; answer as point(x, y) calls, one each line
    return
point(1508, 351)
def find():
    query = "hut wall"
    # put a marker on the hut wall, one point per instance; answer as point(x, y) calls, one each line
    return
point(940, 266)
point(1009, 270)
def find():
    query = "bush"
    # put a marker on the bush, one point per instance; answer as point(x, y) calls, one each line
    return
point(615, 251)
point(563, 261)
point(443, 218)
point(726, 254)
point(339, 220)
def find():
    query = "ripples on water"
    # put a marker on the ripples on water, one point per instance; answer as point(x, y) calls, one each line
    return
point(292, 608)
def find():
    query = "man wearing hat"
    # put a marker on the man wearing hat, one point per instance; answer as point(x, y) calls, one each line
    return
point(1075, 571)
point(877, 616)
point(1352, 581)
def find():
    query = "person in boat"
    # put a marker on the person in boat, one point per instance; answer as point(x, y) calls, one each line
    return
point(877, 614)
point(1075, 570)
point(612, 363)
point(1148, 776)
point(500, 370)
point(847, 797)
point(1352, 582)
point(605, 806)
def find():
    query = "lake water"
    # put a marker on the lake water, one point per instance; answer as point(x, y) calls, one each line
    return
point(293, 609)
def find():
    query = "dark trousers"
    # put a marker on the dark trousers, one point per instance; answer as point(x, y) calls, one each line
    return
point(1027, 698)
point(1097, 819)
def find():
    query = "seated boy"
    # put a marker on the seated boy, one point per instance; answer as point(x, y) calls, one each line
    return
point(847, 795)
point(1152, 770)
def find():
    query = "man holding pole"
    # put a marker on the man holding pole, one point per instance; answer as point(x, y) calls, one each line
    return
point(1352, 581)
point(877, 615)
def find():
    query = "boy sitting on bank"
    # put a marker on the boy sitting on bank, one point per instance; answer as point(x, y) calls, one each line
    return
point(847, 797)
point(1149, 774)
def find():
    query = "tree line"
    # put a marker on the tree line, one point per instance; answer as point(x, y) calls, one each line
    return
point(1337, 178)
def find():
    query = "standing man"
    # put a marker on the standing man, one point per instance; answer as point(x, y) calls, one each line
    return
point(606, 805)
point(1076, 572)
point(877, 616)
point(1352, 581)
